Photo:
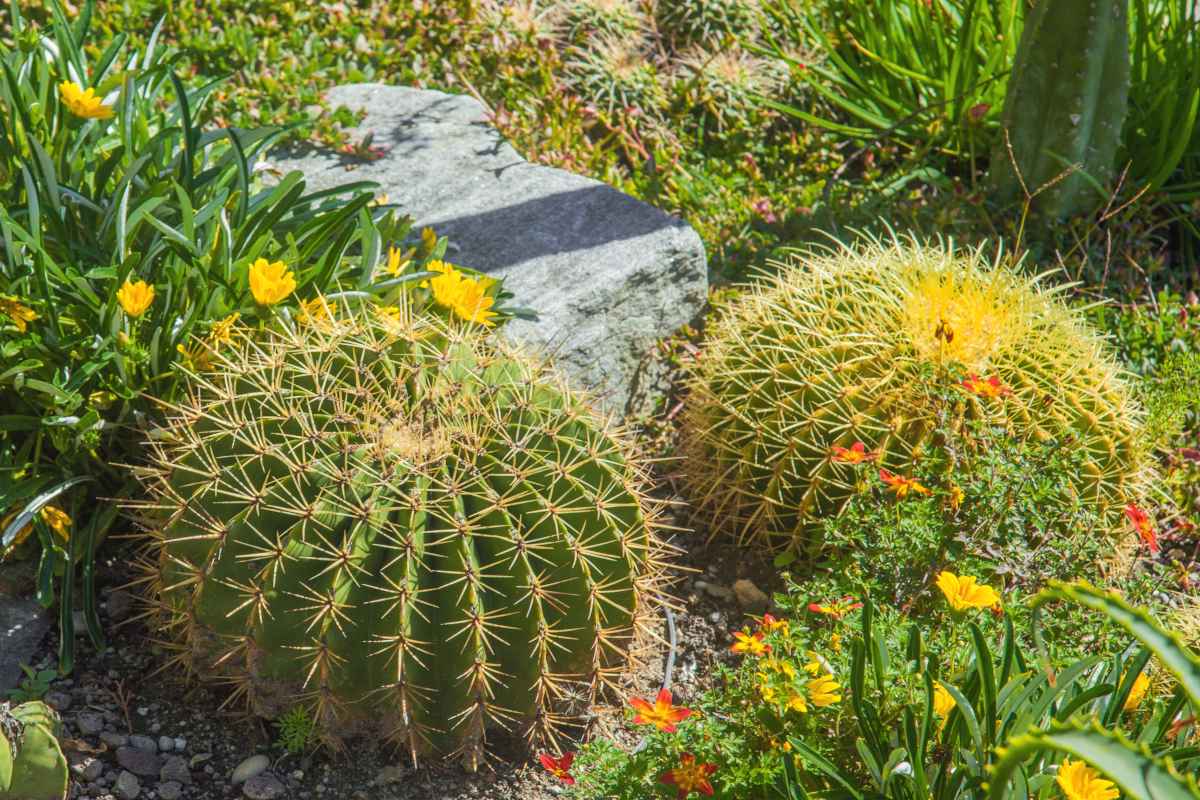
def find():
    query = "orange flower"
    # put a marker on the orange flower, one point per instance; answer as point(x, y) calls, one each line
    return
point(900, 485)
point(662, 715)
point(750, 644)
point(990, 388)
point(559, 767)
point(1143, 526)
point(770, 624)
point(857, 453)
point(837, 609)
point(689, 776)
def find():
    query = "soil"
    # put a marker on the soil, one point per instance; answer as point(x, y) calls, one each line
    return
point(128, 691)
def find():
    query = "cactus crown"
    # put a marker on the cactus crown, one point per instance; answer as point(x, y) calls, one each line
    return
point(832, 351)
point(402, 526)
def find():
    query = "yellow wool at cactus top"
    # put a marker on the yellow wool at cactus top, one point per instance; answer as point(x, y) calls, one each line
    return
point(271, 281)
point(135, 297)
point(83, 102)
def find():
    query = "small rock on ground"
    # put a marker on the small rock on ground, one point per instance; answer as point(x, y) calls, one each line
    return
point(264, 786)
point(89, 723)
point(128, 786)
point(170, 791)
point(254, 765)
point(139, 762)
point(750, 597)
point(175, 768)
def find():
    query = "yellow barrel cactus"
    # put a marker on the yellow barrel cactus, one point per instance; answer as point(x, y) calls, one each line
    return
point(837, 349)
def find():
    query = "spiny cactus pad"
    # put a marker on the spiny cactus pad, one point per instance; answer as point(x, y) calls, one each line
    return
point(832, 350)
point(404, 527)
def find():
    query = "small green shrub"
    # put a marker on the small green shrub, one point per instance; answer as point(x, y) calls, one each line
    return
point(297, 730)
point(34, 685)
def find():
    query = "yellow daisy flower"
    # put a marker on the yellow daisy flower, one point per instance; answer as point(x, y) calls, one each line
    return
point(83, 102)
point(135, 297)
point(270, 281)
point(1080, 782)
point(20, 314)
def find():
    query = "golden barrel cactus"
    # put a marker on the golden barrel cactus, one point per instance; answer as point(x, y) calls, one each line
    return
point(402, 526)
point(838, 348)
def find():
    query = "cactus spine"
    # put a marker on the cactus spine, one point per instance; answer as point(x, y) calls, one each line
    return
point(32, 765)
point(1066, 104)
point(403, 527)
point(833, 351)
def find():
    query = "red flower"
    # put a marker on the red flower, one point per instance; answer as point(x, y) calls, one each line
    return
point(689, 776)
point(1143, 526)
point(837, 609)
point(900, 485)
point(990, 388)
point(771, 623)
point(559, 767)
point(857, 453)
point(662, 715)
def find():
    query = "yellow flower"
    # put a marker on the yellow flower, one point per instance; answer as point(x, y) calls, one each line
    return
point(964, 593)
point(956, 496)
point(814, 666)
point(835, 642)
point(943, 701)
point(397, 262)
point(428, 240)
point(823, 691)
point(390, 313)
point(222, 330)
point(1080, 782)
point(53, 516)
point(135, 297)
point(797, 703)
point(270, 281)
point(1137, 692)
point(776, 665)
point(83, 103)
point(766, 690)
point(198, 357)
point(20, 314)
point(314, 311)
point(466, 297)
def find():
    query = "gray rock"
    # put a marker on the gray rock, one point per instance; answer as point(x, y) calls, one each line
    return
point(166, 744)
point(750, 597)
point(89, 723)
point(128, 786)
point(92, 769)
point(114, 740)
point(175, 768)
point(119, 604)
point(608, 275)
point(170, 791)
point(59, 701)
point(263, 787)
point(139, 762)
point(23, 624)
point(254, 765)
point(180, 743)
point(143, 743)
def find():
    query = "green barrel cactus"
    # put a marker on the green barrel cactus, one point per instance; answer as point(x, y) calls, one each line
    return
point(834, 350)
point(1066, 104)
point(32, 765)
point(403, 527)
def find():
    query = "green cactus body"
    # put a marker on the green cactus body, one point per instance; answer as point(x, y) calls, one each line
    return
point(833, 350)
point(32, 765)
point(1066, 103)
point(404, 528)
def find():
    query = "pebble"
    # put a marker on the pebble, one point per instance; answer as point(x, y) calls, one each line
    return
point(92, 770)
point(750, 597)
point(180, 743)
point(264, 786)
point(715, 617)
point(254, 765)
point(128, 786)
point(143, 743)
point(59, 701)
point(89, 723)
point(389, 774)
point(114, 740)
point(166, 744)
point(139, 762)
point(717, 591)
point(176, 769)
point(119, 604)
point(170, 791)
